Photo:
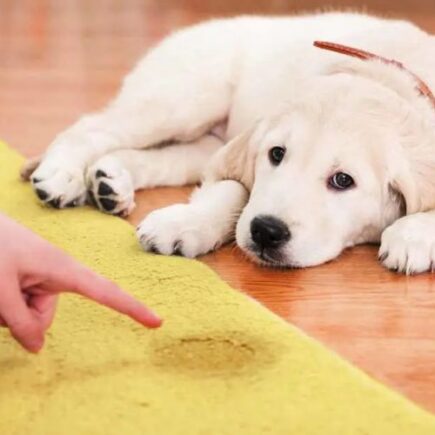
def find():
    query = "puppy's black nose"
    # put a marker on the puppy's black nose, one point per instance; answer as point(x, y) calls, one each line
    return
point(269, 232)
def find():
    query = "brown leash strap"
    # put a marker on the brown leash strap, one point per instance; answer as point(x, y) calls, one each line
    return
point(422, 87)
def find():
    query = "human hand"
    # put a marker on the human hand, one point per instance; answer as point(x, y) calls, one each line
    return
point(32, 274)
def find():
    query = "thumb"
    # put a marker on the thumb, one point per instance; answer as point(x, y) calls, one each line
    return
point(23, 326)
point(43, 307)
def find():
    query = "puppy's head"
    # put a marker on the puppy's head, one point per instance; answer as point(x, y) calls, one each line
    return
point(331, 170)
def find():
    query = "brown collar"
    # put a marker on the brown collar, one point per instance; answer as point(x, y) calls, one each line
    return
point(422, 87)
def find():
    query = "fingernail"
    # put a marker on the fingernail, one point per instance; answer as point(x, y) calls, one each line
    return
point(154, 321)
point(36, 345)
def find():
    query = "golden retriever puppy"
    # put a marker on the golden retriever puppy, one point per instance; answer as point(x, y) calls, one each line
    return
point(324, 151)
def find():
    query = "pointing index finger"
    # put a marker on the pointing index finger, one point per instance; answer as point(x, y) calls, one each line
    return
point(78, 279)
point(107, 293)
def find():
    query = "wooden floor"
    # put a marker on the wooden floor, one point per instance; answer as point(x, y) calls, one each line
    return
point(59, 59)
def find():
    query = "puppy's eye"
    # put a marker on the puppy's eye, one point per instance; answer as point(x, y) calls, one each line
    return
point(276, 154)
point(341, 181)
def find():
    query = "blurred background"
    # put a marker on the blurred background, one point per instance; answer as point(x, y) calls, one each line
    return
point(60, 58)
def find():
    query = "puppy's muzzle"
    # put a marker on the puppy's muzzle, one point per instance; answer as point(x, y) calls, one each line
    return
point(268, 232)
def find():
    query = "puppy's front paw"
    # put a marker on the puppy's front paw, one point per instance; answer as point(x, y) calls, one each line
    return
point(408, 245)
point(58, 184)
point(110, 187)
point(178, 230)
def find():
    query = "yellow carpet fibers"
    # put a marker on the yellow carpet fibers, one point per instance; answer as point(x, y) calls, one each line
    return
point(221, 364)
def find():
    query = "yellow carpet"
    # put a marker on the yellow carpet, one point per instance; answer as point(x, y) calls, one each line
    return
point(221, 364)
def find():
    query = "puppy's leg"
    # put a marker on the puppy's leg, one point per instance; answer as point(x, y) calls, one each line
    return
point(408, 245)
point(177, 93)
point(112, 179)
point(202, 225)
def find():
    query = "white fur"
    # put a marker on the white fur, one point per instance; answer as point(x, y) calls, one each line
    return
point(198, 227)
point(408, 245)
point(264, 84)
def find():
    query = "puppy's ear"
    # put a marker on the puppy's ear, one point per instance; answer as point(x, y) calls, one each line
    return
point(397, 203)
point(235, 161)
point(413, 177)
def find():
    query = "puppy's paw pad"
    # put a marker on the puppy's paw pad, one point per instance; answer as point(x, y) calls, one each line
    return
point(59, 187)
point(177, 230)
point(110, 187)
point(408, 245)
